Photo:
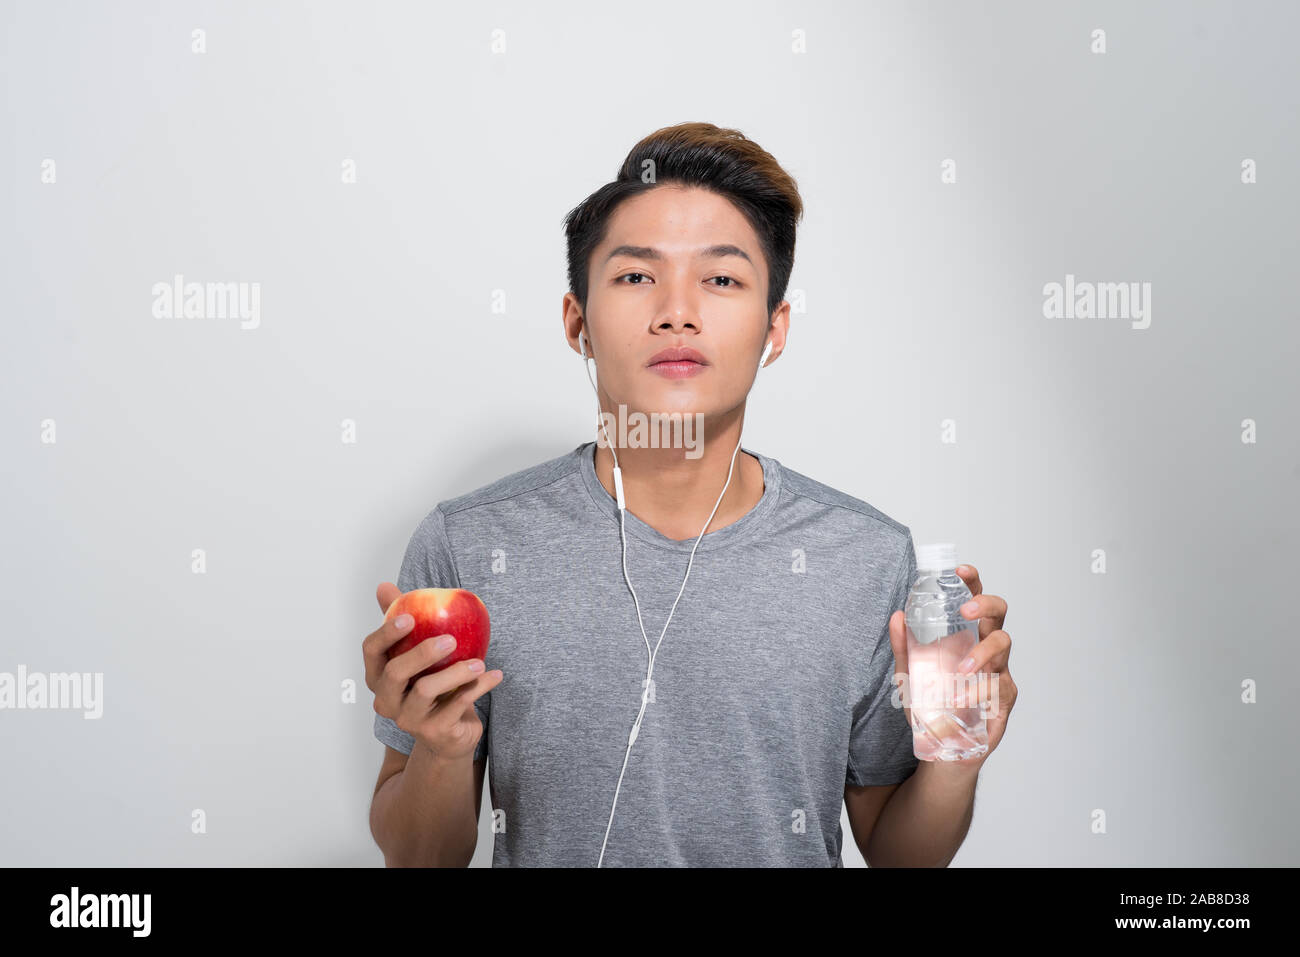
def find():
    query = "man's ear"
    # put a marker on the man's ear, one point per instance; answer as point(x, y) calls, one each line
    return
point(778, 327)
point(575, 326)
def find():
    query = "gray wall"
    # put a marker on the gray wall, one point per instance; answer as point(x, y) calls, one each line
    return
point(924, 303)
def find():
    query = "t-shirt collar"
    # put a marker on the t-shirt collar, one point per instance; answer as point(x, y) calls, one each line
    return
point(745, 526)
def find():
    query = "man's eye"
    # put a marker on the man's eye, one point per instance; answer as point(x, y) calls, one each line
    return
point(729, 280)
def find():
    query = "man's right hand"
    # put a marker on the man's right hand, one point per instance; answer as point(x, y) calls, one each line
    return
point(438, 709)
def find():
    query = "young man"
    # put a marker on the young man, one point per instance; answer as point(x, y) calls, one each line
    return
point(755, 661)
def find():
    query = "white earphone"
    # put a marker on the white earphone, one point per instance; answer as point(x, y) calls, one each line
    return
point(622, 510)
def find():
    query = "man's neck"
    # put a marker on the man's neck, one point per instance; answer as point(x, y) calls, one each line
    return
point(674, 494)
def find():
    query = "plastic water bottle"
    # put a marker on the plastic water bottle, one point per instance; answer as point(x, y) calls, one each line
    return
point(945, 725)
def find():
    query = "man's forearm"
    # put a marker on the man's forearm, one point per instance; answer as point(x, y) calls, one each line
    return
point(925, 821)
point(423, 816)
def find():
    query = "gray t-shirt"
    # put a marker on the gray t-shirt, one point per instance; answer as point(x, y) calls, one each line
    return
point(772, 686)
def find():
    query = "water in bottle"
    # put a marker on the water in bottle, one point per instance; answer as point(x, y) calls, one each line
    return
point(947, 721)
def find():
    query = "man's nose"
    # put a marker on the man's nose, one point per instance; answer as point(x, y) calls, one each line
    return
point(678, 312)
point(678, 323)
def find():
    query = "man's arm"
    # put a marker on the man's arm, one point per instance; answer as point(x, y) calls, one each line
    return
point(918, 823)
point(425, 810)
point(864, 805)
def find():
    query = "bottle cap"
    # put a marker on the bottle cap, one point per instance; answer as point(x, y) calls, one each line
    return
point(941, 556)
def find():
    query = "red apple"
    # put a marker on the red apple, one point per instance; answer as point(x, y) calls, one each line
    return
point(442, 611)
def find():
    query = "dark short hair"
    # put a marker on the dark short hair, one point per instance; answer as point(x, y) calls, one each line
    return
point(697, 154)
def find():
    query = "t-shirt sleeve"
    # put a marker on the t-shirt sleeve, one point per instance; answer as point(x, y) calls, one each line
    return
point(880, 741)
point(429, 563)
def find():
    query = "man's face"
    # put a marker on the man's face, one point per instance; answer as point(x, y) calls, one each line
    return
point(659, 281)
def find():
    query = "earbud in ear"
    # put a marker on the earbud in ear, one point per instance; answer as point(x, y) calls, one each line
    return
point(582, 344)
point(766, 352)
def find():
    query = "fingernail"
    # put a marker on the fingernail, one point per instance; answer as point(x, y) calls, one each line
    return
point(966, 665)
point(476, 665)
point(446, 642)
point(402, 622)
point(970, 607)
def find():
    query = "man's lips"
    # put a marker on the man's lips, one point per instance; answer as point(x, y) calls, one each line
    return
point(678, 354)
point(678, 369)
point(678, 362)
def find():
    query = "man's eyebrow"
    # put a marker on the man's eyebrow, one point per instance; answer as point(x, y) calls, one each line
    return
point(708, 252)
